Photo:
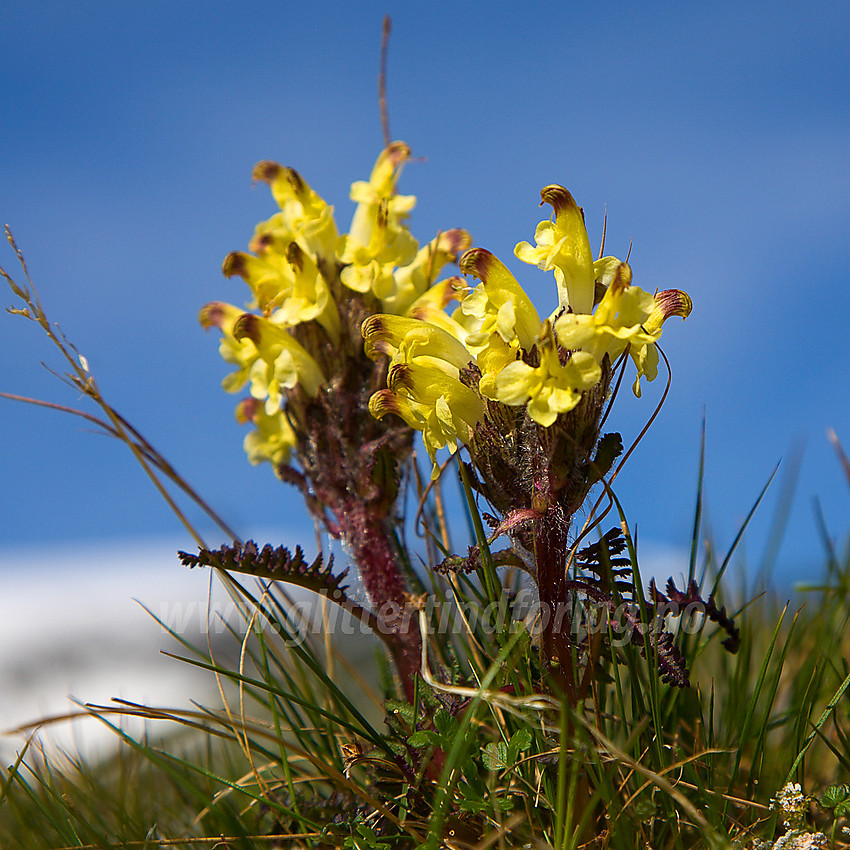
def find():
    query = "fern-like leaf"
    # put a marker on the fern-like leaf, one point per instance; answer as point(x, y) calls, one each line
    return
point(277, 564)
point(691, 596)
point(472, 562)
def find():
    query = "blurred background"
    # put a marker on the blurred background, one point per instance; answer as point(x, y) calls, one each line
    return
point(715, 135)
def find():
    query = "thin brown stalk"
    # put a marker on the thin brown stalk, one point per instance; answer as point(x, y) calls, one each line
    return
point(81, 379)
point(382, 82)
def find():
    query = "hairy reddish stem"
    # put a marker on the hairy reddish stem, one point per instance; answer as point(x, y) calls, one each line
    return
point(369, 540)
point(550, 551)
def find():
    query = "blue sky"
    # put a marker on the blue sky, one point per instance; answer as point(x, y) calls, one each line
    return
point(716, 135)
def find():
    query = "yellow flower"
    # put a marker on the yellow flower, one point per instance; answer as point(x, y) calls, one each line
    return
point(273, 438)
point(377, 200)
point(370, 267)
point(500, 303)
point(549, 389)
point(241, 352)
point(379, 254)
point(669, 302)
point(304, 216)
point(627, 317)
point(377, 240)
point(404, 340)
point(431, 401)
point(268, 276)
point(282, 363)
point(563, 247)
point(287, 287)
point(617, 322)
point(431, 306)
point(410, 281)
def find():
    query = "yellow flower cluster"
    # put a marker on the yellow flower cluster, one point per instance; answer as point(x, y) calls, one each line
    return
point(309, 284)
point(495, 346)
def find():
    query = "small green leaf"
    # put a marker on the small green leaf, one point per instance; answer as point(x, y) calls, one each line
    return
point(470, 771)
point(495, 756)
point(403, 709)
point(446, 725)
point(520, 742)
point(368, 839)
point(423, 738)
point(475, 806)
point(397, 747)
point(834, 796)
